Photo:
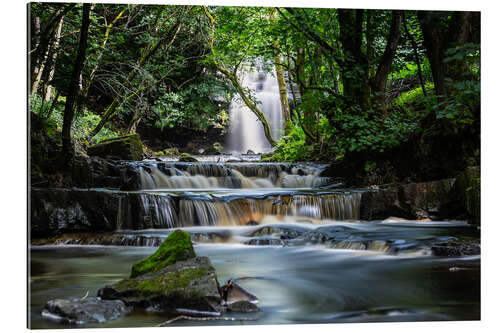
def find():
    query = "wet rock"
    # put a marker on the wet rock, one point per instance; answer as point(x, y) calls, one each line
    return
point(238, 299)
point(281, 232)
point(265, 241)
point(456, 248)
point(243, 307)
point(184, 157)
point(208, 237)
point(171, 278)
point(58, 211)
point(250, 152)
point(428, 200)
point(189, 284)
point(128, 147)
point(252, 223)
point(81, 311)
point(99, 239)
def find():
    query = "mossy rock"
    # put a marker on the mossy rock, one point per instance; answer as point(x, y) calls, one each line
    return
point(190, 284)
point(128, 147)
point(185, 157)
point(176, 247)
point(171, 151)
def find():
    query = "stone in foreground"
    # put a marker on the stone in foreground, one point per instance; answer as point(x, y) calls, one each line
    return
point(81, 311)
point(189, 284)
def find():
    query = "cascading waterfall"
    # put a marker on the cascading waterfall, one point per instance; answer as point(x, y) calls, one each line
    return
point(202, 212)
point(218, 176)
point(245, 130)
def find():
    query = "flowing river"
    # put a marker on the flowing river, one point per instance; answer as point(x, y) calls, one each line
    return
point(287, 234)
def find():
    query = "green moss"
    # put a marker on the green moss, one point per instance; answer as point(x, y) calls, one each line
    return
point(171, 281)
point(128, 147)
point(184, 157)
point(176, 247)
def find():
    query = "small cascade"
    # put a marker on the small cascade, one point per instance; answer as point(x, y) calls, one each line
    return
point(161, 208)
point(217, 175)
point(167, 212)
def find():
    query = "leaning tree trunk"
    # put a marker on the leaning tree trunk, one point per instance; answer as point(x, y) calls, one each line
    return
point(52, 70)
point(69, 110)
point(385, 64)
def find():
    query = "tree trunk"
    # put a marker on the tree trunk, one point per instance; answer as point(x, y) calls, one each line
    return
point(354, 66)
point(285, 108)
point(53, 105)
point(384, 67)
point(42, 51)
point(415, 54)
point(69, 109)
point(52, 70)
point(433, 42)
point(385, 64)
point(39, 71)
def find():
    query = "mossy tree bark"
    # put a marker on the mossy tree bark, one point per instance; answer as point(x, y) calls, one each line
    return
point(69, 110)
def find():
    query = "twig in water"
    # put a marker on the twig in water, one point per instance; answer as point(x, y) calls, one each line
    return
point(168, 322)
point(84, 297)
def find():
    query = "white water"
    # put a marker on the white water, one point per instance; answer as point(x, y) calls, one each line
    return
point(245, 130)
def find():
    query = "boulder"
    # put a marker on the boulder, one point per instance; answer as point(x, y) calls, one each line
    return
point(171, 278)
point(185, 157)
point(190, 284)
point(410, 201)
point(176, 247)
point(82, 311)
point(128, 147)
point(467, 192)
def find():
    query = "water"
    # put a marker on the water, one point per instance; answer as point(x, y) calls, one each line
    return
point(289, 236)
point(310, 283)
point(245, 130)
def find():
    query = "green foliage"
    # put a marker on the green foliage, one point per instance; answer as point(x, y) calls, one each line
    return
point(292, 147)
point(369, 132)
point(413, 96)
point(82, 124)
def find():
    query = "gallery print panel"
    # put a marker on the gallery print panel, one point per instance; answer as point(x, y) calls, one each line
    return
point(195, 165)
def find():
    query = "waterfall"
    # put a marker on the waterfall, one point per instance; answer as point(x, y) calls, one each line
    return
point(245, 130)
point(214, 175)
point(196, 211)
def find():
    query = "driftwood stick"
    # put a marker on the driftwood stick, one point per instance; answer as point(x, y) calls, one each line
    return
point(168, 322)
